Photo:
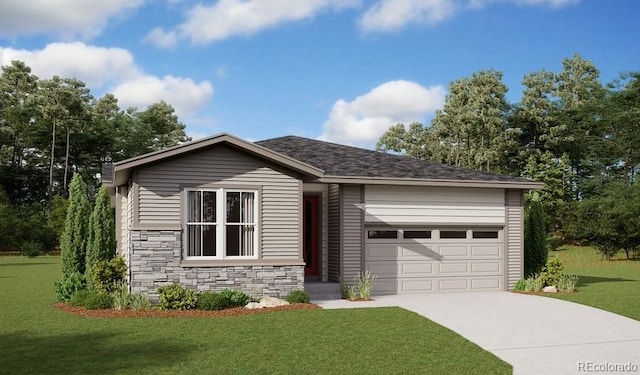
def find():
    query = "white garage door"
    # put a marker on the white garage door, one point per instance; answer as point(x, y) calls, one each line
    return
point(412, 260)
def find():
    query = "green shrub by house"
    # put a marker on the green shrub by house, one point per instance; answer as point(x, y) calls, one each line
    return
point(535, 239)
point(176, 297)
point(73, 242)
point(66, 288)
point(212, 301)
point(106, 275)
point(235, 297)
point(298, 296)
point(101, 244)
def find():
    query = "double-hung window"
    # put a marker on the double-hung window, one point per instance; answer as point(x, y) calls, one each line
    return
point(221, 223)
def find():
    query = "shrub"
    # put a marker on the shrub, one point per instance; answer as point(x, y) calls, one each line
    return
point(30, 249)
point(365, 281)
point(121, 297)
point(235, 297)
point(73, 242)
point(554, 242)
point(567, 283)
point(175, 297)
point(298, 296)
point(344, 288)
point(212, 301)
point(552, 272)
point(520, 285)
point(92, 300)
point(101, 242)
point(140, 301)
point(105, 275)
point(535, 247)
point(66, 288)
point(533, 284)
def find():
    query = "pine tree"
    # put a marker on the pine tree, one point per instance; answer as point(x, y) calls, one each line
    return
point(535, 236)
point(73, 242)
point(102, 239)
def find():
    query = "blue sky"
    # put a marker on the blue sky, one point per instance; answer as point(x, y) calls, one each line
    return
point(340, 70)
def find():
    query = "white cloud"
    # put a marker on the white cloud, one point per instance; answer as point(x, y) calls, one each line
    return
point(69, 18)
point(393, 15)
point(113, 70)
point(185, 95)
point(227, 18)
point(390, 15)
point(363, 120)
point(96, 66)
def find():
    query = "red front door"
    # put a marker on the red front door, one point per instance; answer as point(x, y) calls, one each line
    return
point(310, 235)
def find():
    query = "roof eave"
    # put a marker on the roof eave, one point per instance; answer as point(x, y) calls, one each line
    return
point(122, 169)
point(525, 185)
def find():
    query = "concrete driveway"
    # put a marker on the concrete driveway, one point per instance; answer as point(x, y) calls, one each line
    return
point(537, 335)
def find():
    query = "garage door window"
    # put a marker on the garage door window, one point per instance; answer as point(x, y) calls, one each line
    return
point(391, 234)
point(453, 234)
point(416, 234)
point(484, 234)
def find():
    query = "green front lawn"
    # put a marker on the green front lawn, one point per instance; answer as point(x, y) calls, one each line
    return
point(609, 285)
point(36, 338)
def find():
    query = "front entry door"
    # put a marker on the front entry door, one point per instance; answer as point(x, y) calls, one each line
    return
point(310, 235)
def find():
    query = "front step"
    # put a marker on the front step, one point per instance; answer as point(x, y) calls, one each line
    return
point(322, 291)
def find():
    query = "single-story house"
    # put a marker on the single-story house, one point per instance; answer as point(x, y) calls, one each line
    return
point(223, 212)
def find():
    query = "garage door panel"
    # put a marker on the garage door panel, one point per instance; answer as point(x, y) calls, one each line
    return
point(453, 268)
point(413, 286)
point(386, 286)
point(418, 251)
point(486, 284)
point(453, 251)
point(376, 252)
point(416, 269)
point(383, 270)
point(486, 267)
point(453, 284)
point(486, 250)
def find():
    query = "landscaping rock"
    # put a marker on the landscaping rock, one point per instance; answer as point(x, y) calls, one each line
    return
point(550, 289)
point(253, 306)
point(272, 302)
point(266, 302)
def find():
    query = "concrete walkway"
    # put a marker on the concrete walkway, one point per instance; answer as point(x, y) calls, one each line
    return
point(537, 335)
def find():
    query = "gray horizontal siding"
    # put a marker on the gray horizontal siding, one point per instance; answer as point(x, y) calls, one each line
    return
point(160, 186)
point(514, 236)
point(352, 223)
point(333, 236)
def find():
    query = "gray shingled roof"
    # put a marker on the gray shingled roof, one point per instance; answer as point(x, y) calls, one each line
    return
point(341, 160)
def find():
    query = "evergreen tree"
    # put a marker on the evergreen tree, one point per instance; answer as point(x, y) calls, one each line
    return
point(73, 242)
point(535, 236)
point(102, 238)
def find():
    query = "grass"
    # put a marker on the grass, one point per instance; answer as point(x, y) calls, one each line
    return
point(36, 338)
point(609, 285)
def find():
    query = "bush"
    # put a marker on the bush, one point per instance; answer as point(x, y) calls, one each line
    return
point(533, 284)
point(567, 283)
point(92, 300)
point(140, 301)
point(30, 249)
point(175, 297)
point(121, 297)
point(235, 297)
point(105, 275)
point(554, 242)
point(535, 246)
point(212, 301)
point(366, 282)
point(66, 288)
point(552, 272)
point(520, 285)
point(298, 296)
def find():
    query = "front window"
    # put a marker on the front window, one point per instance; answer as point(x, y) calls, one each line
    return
point(221, 223)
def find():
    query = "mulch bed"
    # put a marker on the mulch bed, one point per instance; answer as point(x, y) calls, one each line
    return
point(238, 311)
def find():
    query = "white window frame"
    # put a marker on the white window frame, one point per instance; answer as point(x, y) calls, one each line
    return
point(221, 224)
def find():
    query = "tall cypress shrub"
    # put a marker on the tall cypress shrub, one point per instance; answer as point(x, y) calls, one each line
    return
point(73, 242)
point(102, 237)
point(535, 236)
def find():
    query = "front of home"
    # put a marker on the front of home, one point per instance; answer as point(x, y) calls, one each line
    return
point(265, 217)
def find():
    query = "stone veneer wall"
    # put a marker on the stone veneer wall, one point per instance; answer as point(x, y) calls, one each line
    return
point(155, 261)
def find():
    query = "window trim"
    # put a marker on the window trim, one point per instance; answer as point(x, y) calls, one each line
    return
point(220, 223)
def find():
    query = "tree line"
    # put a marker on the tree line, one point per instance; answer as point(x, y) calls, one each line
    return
point(53, 128)
point(578, 136)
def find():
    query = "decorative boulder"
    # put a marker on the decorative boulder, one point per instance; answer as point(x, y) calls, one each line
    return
point(550, 289)
point(266, 302)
